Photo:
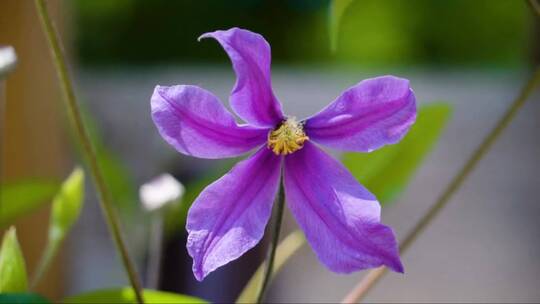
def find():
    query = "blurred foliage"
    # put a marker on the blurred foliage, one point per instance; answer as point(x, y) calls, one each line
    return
point(24, 197)
point(66, 208)
point(371, 32)
point(67, 205)
point(22, 298)
point(140, 31)
point(387, 171)
point(126, 295)
point(437, 32)
point(13, 276)
point(116, 175)
point(337, 9)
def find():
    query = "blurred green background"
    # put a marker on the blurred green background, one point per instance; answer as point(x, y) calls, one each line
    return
point(372, 32)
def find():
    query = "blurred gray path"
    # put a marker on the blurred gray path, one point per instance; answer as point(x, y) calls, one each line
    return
point(485, 247)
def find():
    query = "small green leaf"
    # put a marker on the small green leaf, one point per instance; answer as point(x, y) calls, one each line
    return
point(284, 251)
point(24, 197)
point(387, 171)
point(12, 266)
point(67, 204)
point(126, 295)
point(337, 9)
point(66, 208)
point(22, 298)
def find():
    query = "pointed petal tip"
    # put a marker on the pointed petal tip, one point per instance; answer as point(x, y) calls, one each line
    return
point(396, 266)
point(196, 267)
point(204, 36)
point(252, 97)
point(229, 216)
point(217, 32)
point(198, 274)
point(158, 89)
point(375, 112)
point(340, 218)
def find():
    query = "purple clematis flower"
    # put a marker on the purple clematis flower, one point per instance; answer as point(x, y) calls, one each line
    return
point(340, 218)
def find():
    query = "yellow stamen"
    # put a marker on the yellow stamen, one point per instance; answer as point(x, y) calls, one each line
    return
point(287, 138)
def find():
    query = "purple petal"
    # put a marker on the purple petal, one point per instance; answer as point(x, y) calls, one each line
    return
point(367, 116)
point(341, 219)
point(195, 122)
point(252, 97)
point(229, 216)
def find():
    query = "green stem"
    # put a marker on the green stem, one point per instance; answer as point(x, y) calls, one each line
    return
point(87, 148)
point(374, 276)
point(155, 243)
point(45, 261)
point(273, 244)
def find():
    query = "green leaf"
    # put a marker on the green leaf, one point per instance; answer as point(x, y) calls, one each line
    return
point(337, 9)
point(67, 205)
point(387, 171)
point(24, 197)
point(12, 266)
point(126, 295)
point(22, 298)
point(66, 208)
point(284, 251)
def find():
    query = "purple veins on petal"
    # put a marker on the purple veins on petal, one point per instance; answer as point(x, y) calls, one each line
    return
point(340, 218)
point(229, 216)
point(367, 116)
point(196, 123)
point(252, 97)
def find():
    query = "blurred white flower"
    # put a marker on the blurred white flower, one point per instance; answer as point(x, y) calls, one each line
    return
point(8, 59)
point(160, 191)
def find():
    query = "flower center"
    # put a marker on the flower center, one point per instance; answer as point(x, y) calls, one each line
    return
point(287, 138)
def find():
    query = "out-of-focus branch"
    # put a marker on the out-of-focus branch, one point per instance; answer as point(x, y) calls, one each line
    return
point(81, 133)
point(535, 6)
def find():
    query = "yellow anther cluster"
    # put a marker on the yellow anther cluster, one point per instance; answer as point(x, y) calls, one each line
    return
point(287, 138)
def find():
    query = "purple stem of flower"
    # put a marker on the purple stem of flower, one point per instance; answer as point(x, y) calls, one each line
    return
point(365, 285)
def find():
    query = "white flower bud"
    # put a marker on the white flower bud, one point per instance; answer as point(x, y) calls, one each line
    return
point(160, 191)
